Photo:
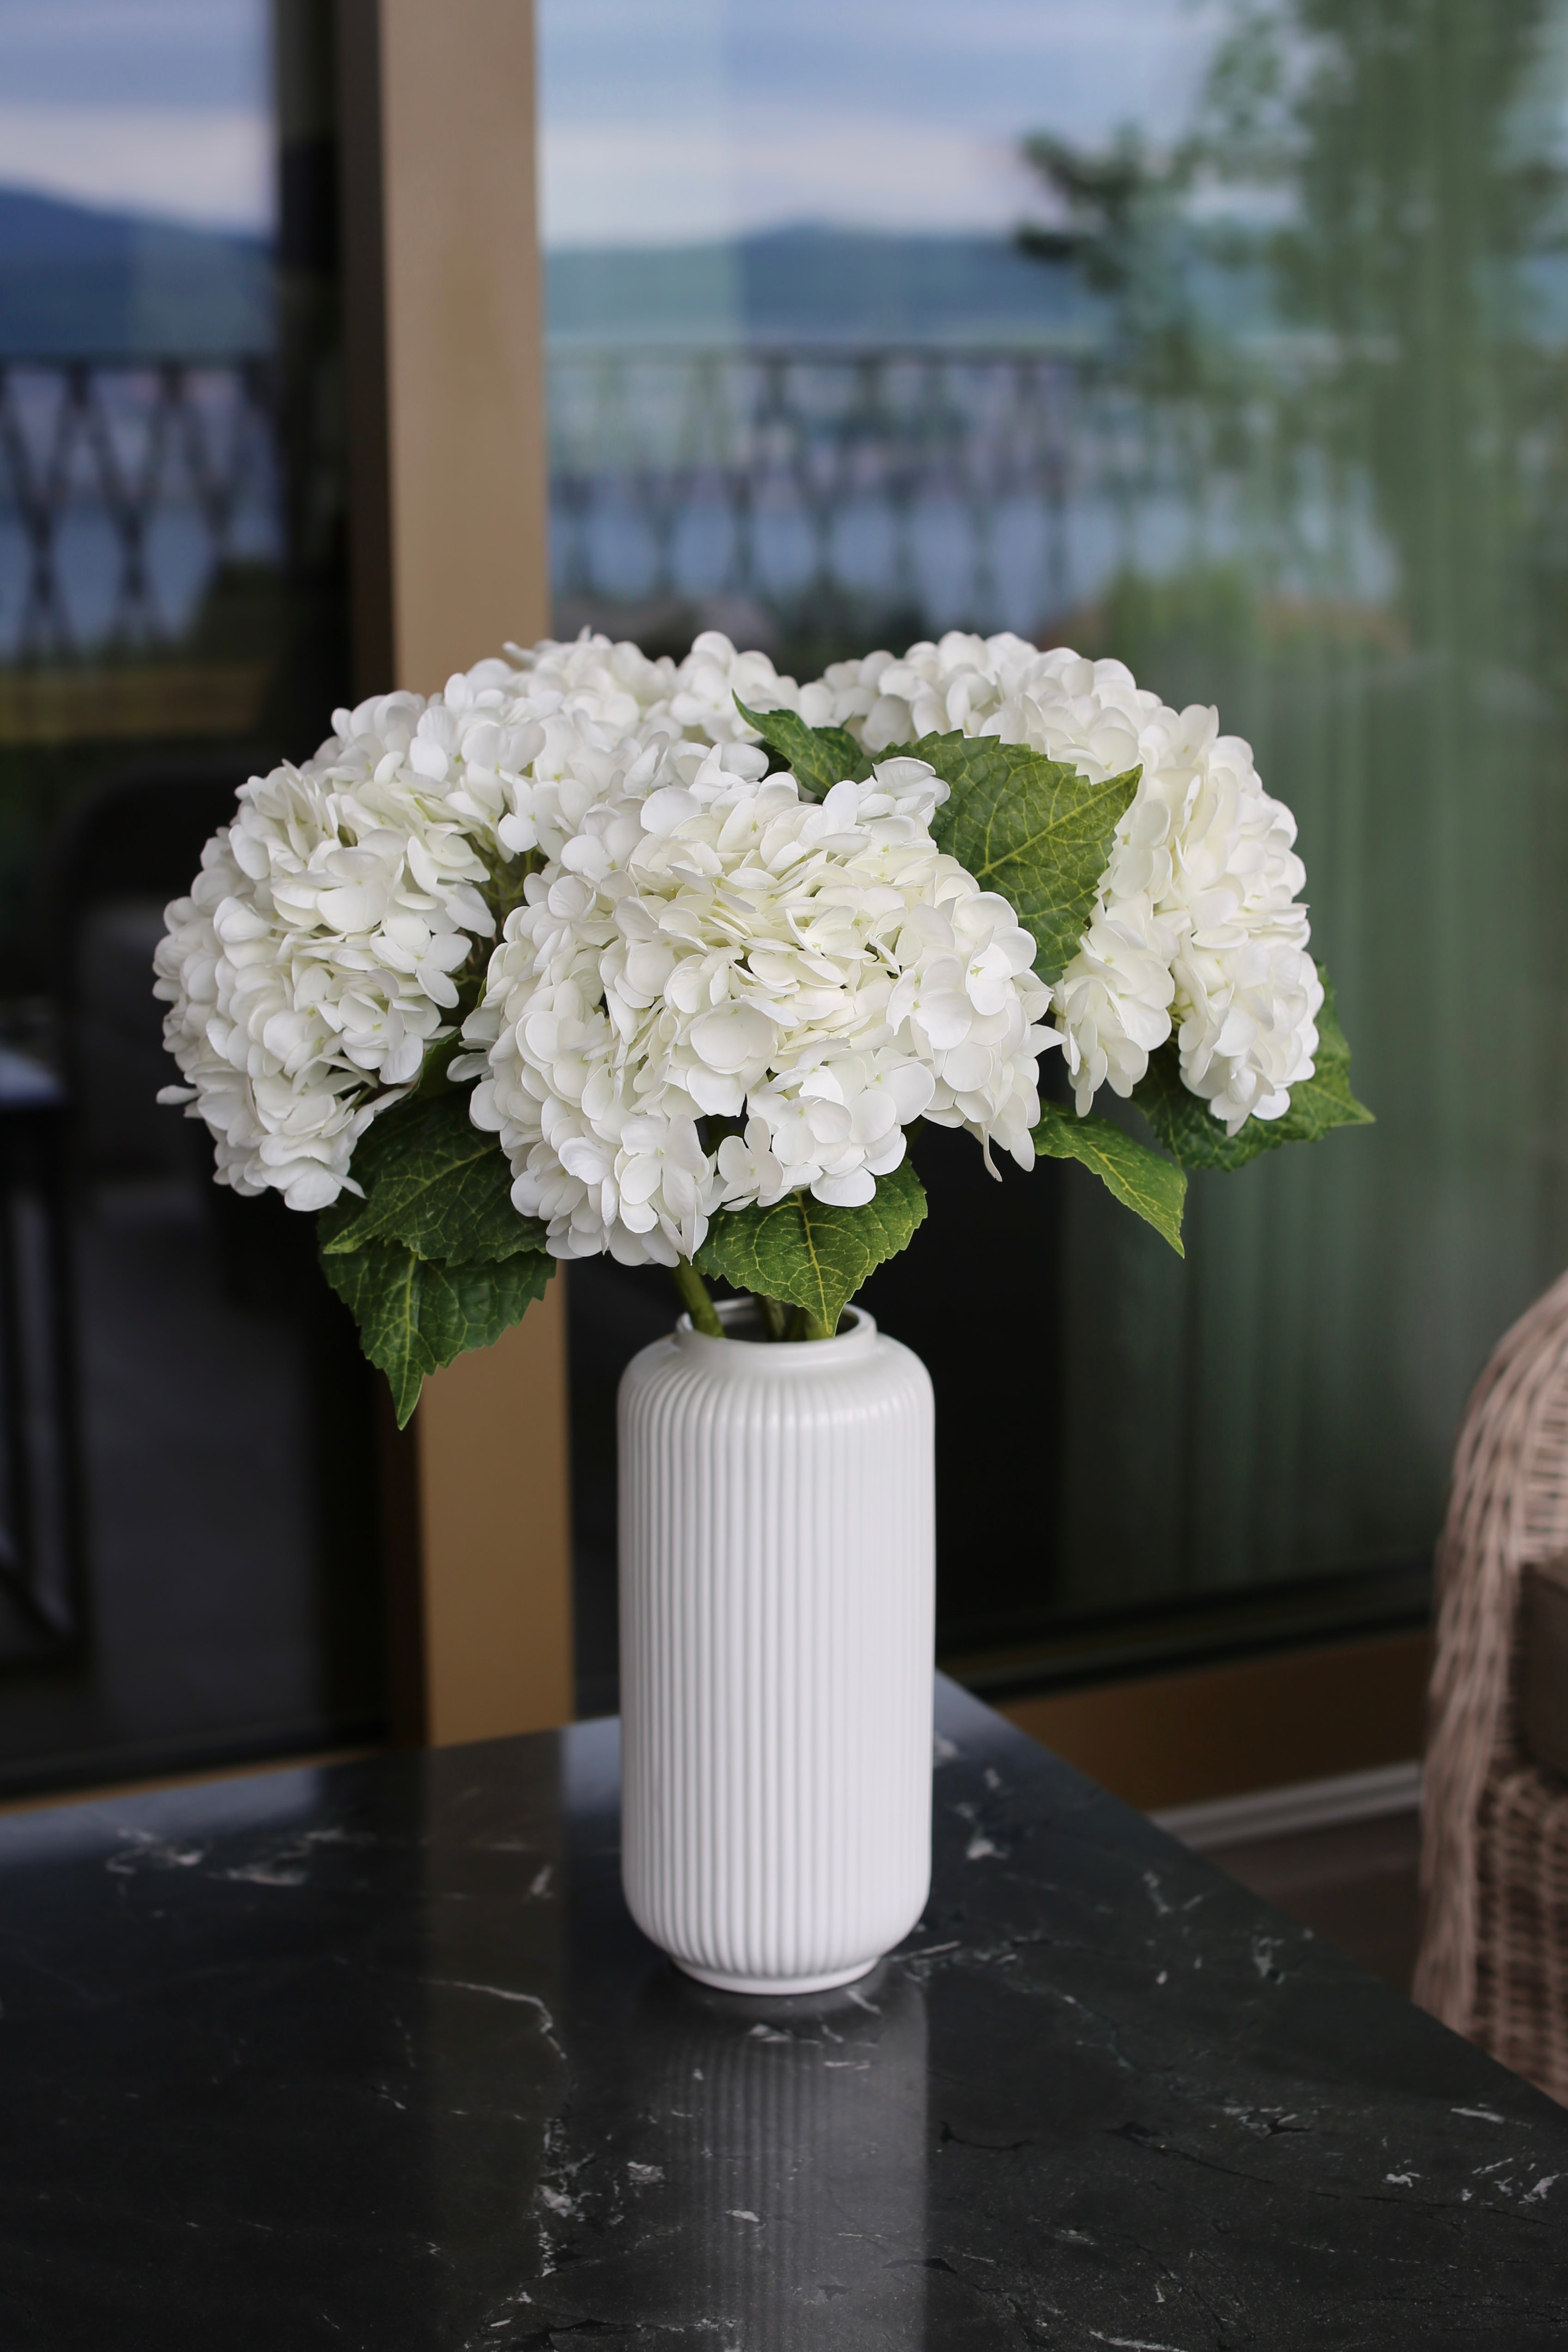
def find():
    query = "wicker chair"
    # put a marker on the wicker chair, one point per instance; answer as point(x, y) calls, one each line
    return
point(1494, 1852)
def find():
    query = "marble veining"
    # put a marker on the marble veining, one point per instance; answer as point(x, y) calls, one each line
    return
point(373, 2056)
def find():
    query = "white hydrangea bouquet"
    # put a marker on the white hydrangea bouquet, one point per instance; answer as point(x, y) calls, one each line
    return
point(595, 952)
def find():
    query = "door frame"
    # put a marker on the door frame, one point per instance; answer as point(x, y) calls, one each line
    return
point(448, 560)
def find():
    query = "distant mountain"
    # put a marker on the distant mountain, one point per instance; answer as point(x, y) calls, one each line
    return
point(824, 285)
point(794, 285)
point(77, 281)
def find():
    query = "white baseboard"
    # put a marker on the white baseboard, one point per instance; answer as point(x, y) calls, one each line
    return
point(1305, 1805)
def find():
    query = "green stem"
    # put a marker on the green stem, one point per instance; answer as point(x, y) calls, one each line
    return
point(773, 1316)
point(804, 1325)
point(699, 1305)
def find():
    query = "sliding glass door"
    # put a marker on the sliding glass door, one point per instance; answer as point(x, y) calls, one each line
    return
point(1232, 340)
point(188, 1520)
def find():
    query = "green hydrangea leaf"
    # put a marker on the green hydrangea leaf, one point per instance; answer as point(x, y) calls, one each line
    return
point(1153, 1187)
point(1030, 828)
point(415, 1316)
point(814, 1257)
point(1186, 1126)
point(817, 757)
point(1190, 1132)
point(436, 1184)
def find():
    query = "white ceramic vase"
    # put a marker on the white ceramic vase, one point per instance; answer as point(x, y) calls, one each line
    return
point(778, 1568)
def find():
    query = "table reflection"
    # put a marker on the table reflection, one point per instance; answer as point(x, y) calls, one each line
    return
point(793, 2135)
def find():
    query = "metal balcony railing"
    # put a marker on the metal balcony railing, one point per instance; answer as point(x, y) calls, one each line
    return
point(994, 486)
point(123, 485)
point(998, 486)
point(899, 477)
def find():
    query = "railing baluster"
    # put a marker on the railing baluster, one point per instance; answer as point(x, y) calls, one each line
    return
point(126, 445)
point(848, 487)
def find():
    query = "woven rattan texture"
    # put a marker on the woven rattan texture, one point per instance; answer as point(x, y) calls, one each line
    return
point(1494, 1854)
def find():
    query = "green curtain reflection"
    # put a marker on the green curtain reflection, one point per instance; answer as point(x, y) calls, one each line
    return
point(1352, 390)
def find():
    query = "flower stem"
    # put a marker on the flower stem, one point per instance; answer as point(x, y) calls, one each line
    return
point(807, 1327)
point(699, 1305)
point(773, 1319)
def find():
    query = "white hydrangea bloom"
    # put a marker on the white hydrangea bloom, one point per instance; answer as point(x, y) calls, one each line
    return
point(312, 963)
point(313, 960)
point(1198, 927)
point(703, 943)
point(709, 681)
point(523, 741)
point(505, 736)
point(707, 944)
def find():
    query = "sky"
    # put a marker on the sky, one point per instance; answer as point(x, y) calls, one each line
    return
point(669, 120)
point(662, 120)
point(150, 106)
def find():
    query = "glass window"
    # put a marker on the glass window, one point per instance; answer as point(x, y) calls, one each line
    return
point(1228, 339)
point(187, 1510)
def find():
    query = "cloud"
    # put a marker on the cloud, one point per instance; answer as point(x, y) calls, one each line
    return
point(211, 166)
point(676, 181)
point(993, 66)
point(157, 53)
point(695, 118)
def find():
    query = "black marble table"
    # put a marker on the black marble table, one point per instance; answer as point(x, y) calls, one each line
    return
point(373, 2057)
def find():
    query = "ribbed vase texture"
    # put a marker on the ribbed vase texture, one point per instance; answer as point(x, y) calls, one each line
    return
point(777, 1561)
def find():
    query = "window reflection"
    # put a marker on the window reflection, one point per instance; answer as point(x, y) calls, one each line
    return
point(186, 1520)
point(1229, 339)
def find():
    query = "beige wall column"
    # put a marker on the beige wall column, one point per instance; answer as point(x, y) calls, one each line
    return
point(449, 560)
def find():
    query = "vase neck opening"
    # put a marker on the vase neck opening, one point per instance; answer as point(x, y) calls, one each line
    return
point(745, 1337)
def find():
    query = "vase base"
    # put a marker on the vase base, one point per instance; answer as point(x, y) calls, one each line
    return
point(778, 1988)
